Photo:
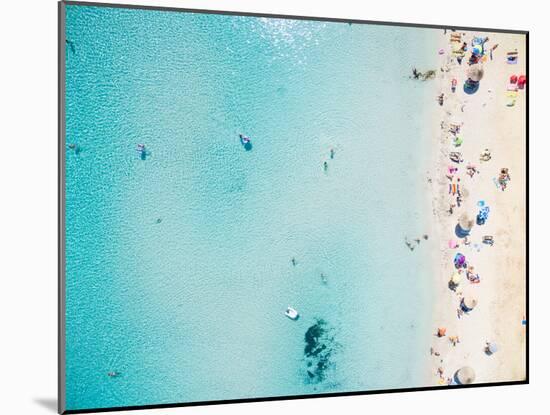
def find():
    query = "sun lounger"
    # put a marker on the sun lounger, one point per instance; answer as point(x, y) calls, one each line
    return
point(512, 57)
point(456, 37)
point(511, 97)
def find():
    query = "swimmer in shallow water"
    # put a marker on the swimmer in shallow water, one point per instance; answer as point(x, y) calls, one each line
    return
point(74, 147)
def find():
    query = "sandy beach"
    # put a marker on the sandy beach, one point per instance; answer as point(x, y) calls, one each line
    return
point(484, 121)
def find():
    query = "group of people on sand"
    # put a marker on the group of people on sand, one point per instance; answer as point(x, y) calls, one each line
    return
point(451, 132)
point(453, 341)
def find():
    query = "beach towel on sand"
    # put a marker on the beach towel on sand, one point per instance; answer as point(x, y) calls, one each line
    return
point(511, 97)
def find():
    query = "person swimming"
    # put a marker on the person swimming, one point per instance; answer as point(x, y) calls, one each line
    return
point(142, 151)
point(74, 147)
point(70, 43)
point(244, 139)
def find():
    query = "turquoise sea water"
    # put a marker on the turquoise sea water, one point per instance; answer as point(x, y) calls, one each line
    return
point(179, 267)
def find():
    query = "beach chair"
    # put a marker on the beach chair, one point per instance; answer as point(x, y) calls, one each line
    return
point(512, 57)
point(456, 37)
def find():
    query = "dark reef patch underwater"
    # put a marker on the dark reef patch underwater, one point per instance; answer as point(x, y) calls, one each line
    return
point(319, 351)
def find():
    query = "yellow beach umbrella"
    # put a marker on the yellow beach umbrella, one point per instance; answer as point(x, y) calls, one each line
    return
point(455, 279)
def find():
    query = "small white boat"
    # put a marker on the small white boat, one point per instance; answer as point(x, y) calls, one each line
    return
point(291, 313)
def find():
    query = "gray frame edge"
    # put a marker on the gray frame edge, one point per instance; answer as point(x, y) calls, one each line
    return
point(61, 209)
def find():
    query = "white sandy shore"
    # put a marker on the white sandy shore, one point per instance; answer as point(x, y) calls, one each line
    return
point(501, 294)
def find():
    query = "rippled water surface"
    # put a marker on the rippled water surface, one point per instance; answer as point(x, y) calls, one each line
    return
point(181, 263)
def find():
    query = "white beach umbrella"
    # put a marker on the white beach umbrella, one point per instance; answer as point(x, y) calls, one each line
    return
point(465, 375)
point(469, 302)
point(475, 72)
point(466, 222)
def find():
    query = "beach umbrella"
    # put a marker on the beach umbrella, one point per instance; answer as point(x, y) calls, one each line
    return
point(468, 303)
point(471, 87)
point(492, 348)
point(452, 243)
point(477, 50)
point(513, 79)
point(475, 72)
point(455, 279)
point(465, 375)
point(466, 222)
point(457, 141)
point(459, 260)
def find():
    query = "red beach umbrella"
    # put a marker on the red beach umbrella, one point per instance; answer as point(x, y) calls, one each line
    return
point(513, 79)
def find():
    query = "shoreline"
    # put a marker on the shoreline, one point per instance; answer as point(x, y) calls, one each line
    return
point(486, 122)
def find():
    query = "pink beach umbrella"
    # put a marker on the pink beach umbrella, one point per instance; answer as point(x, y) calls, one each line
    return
point(453, 244)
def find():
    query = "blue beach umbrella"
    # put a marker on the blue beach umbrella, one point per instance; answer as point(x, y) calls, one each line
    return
point(471, 87)
point(491, 348)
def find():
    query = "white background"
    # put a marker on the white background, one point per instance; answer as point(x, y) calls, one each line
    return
point(28, 204)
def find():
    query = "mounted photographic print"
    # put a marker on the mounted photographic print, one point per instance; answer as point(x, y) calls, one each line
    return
point(259, 207)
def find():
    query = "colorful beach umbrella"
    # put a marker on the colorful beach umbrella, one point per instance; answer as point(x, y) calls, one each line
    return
point(477, 50)
point(459, 260)
point(465, 375)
